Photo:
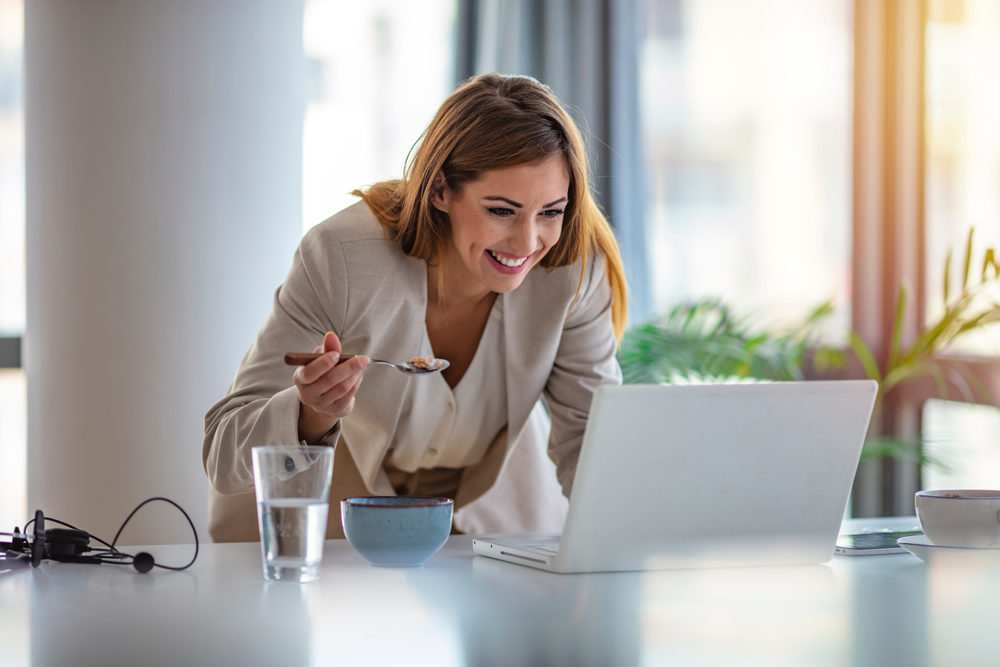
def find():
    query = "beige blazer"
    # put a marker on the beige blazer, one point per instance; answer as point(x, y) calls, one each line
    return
point(346, 277)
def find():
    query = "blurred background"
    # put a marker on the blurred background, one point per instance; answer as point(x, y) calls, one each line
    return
point(773, 155)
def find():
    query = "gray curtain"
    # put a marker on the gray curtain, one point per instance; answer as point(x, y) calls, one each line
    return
point(587, 52)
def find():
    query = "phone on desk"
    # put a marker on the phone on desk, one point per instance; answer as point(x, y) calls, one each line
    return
point(872, 544)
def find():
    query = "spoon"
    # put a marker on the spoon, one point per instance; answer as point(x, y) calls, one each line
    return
point(409, 367)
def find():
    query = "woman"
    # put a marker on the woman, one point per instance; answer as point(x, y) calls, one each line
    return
point(492, 254)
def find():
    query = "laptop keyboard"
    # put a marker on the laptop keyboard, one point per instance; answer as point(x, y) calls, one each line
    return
point(550, 548)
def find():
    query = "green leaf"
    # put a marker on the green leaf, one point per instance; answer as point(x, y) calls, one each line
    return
point(928, 340)
point(825, 309)
point(935, 371)
point(980, 320)
point(947, 274)
point(977, 386)
point(865, 356)
point(905, 372)
point(968, 259)
point(988, 261)
point(897, 325)
point(903, 449)
point(828, 358)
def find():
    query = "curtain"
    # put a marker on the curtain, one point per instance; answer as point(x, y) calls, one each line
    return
point(587, 52)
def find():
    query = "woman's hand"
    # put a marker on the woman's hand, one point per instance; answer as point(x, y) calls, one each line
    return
point(326, 390)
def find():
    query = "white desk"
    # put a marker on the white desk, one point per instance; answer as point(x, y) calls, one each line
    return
point(463, 609)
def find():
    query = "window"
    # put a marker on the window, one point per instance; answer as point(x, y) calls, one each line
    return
point(378, 71)
point(13, 389)
point(962, 72)
point(746, 115)
point(962, 135)
point(963, 440)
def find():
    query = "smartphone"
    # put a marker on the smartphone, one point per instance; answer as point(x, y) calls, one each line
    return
point(872, 544)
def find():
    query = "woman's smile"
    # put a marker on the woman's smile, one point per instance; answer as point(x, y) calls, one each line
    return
point(507, 263)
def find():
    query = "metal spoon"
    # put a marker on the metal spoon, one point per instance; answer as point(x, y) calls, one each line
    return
point(303, 358)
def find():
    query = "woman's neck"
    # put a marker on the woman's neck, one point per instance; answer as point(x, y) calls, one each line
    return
point(460, 292)
point(455, 323)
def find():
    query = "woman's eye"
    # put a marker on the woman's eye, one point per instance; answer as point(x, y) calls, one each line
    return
point(553, 212)
point(500, 212)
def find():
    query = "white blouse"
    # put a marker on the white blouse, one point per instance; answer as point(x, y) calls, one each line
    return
point(441, 427)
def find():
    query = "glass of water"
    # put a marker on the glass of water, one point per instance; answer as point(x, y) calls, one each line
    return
point(293, 499)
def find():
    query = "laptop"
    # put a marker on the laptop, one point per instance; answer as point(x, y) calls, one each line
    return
point(705, 476)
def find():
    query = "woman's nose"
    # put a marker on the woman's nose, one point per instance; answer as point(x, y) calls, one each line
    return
point(524, 236)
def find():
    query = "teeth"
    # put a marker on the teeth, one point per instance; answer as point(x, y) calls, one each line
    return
point(512, 263)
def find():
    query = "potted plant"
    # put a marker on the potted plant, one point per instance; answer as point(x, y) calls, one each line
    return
point(927, 356)
point(705, 341)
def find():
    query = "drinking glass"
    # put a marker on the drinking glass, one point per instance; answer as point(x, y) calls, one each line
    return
point(293, 499)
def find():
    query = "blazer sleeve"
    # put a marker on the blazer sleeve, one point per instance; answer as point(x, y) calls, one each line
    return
point(261, 406)
point(585, 359)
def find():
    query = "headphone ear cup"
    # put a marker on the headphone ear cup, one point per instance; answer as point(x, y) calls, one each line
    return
point(38, 544)
point(143, 562)
point(66, 542)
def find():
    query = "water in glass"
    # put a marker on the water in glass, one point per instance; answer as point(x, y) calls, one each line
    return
point(293, 530)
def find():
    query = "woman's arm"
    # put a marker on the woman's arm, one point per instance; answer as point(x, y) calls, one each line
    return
point(262, 406)
point(584, 360)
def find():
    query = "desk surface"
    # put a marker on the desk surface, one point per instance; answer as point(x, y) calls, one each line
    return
point(463, 609)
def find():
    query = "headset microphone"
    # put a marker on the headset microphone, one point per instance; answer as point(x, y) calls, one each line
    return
point(143, 562)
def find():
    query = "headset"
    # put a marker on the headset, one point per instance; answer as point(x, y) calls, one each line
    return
point(69, 544)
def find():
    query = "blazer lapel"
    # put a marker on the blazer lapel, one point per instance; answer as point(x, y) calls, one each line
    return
point(392, 329)
point(532, 330)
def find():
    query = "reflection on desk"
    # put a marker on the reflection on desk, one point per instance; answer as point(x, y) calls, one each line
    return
point(463, 609)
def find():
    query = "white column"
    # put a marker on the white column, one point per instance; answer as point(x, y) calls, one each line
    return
point(164, 193)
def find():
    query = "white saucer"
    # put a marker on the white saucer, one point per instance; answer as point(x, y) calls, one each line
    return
point(921, 547)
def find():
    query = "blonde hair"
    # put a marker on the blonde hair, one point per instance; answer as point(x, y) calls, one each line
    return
point(495, 122)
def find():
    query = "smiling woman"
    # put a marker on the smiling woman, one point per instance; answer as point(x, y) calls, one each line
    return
point(490, 253)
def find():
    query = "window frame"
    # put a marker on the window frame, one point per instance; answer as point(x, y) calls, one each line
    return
point(10, 352)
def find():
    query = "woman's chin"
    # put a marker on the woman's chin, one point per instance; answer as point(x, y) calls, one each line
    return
point(501, 283)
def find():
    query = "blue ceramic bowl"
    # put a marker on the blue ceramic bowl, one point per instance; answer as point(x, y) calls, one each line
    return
point(396, 531)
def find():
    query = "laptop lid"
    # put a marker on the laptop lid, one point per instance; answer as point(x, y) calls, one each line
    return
point(714, 475)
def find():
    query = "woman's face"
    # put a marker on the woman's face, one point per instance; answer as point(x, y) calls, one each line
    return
point(504, 223)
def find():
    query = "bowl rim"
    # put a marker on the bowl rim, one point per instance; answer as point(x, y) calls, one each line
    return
point(428, 502)
point(959, 494)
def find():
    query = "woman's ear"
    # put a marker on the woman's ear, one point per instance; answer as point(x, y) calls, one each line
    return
point(440, 192)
